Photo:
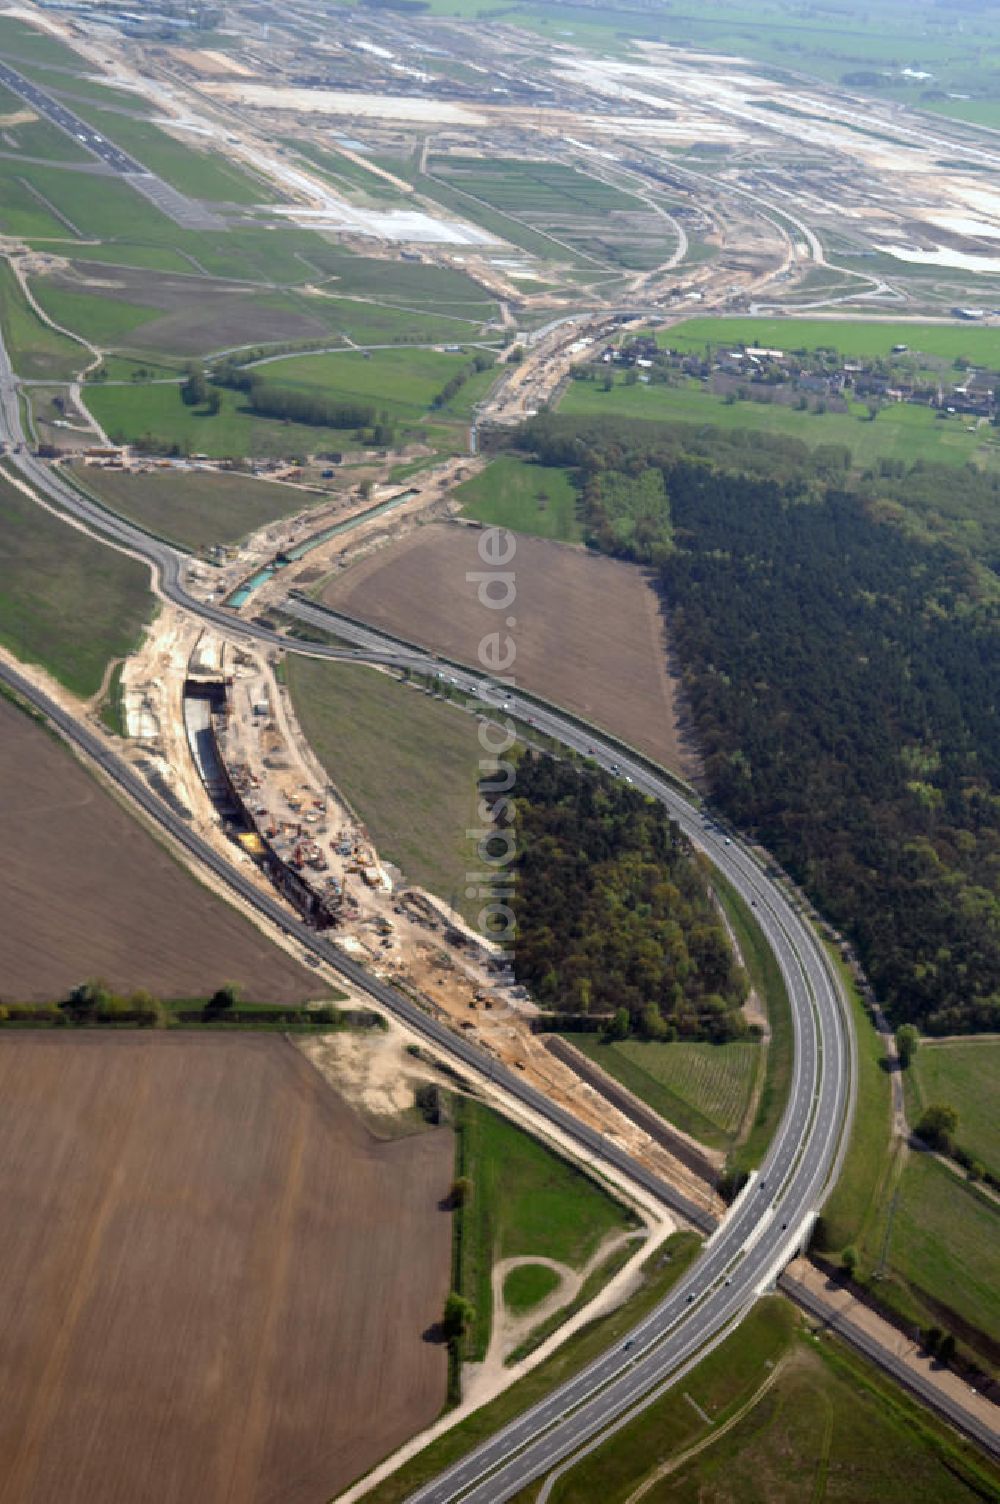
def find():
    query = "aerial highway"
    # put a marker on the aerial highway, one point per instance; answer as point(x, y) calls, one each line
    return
point(59, 114)
point(773, 1216)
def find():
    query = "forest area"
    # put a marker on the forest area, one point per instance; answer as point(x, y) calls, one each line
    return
point(839, 635)
point(613, 911)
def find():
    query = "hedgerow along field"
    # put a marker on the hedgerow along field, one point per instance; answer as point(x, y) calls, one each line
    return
point(204, 1227)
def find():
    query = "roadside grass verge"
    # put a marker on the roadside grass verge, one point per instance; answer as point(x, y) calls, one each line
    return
point(854, 1202)
point(720, 1384)
point(827, 1426)
point(703, 1089)
point(35, 350)
point(963, 1073)
point(194, 508)
point(662, 1270)
point(66, 601)
point(406, 761)
point(530, 498)
point(524, 1199)
point(766, 980)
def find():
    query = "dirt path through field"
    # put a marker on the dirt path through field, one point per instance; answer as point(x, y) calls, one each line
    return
point(481, 1382)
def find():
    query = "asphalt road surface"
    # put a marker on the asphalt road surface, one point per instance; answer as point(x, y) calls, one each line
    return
point(768, 1223)
point(184, 211)
point(87, 135)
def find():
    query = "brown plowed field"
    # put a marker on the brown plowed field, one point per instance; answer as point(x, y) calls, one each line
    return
point(85, 891)
point(589, 634)
point(215, 1282)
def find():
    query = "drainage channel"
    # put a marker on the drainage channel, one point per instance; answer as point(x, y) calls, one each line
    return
point(243, 592)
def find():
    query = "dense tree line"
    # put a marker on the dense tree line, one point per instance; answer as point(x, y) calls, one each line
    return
point(293, 404)
point(841, 653)
point(481, 361)
point(613, 909)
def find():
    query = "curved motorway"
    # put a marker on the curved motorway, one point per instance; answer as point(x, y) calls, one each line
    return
point(772, 1218)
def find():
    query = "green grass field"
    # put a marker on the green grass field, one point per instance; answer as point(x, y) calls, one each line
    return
point(35, 350)
point(191, 169)
point(901, 430)
point(101, 320)
point(38, 138)
point(19, 41)
point(80, 87)
point(854, 339)
point(530, 498)
point(912, 1221)
point(195, 509)
point(825, 1427)
point(965, 1074)
point(66, 602)
point(407, 762)
point(401, 382)
point(704, 1089)
point(534, 187)
point(524, 1200)
point(156, 414)
point(942, 1242)
point(527, 1286)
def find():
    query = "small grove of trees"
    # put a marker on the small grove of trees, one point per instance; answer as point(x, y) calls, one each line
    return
point(461, 1191)
point(939, 1344)
point(93, 1002)
point(907, 1044)
point(480, 362)
point(459, 1314)
point(612, 909)
point(937, 1125)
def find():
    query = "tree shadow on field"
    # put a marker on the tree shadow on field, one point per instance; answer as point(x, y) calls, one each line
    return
point(435, 1333)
